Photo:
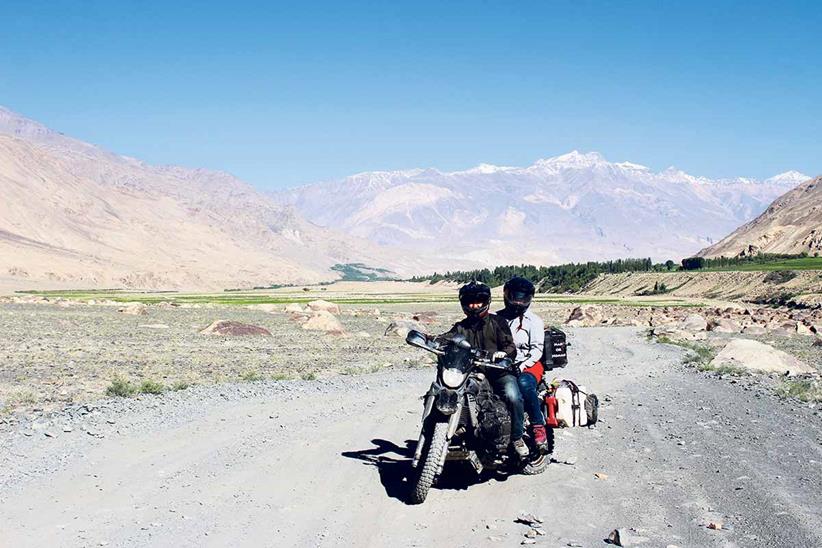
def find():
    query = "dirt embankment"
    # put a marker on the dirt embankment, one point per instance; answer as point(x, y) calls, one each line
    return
point(714, 285)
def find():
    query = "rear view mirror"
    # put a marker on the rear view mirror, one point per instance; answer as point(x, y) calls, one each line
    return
point(420, 340)
point(415, 338)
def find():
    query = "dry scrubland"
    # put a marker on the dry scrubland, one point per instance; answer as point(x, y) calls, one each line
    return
point(77, 347)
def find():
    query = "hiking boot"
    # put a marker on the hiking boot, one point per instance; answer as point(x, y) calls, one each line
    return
point(540, 436)
point(521, 448)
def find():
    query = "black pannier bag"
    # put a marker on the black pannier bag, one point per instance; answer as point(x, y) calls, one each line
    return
point(555, 353)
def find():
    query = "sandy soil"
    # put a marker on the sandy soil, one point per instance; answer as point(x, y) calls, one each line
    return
point(322, 463)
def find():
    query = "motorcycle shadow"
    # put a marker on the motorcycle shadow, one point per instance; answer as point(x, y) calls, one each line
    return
point(393, 464)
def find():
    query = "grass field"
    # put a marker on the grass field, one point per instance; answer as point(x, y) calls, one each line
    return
point(362, 298)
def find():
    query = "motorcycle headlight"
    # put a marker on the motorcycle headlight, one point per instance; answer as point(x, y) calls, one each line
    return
point(452, 377)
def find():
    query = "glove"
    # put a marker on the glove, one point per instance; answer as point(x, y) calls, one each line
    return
point(498, 355)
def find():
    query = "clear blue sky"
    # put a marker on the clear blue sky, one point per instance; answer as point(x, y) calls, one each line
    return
point(282, 93)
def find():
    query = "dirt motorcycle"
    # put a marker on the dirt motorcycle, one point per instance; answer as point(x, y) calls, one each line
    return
point(463, 419)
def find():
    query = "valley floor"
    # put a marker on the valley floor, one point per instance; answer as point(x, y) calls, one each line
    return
point(322, 463)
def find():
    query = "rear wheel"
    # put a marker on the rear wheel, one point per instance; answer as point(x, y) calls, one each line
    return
point(429, 463)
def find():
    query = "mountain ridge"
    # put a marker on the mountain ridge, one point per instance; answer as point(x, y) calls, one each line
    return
point(75, 214)
point(792, 224)
point(577, 205)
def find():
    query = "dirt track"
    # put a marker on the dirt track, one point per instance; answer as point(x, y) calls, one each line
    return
point(323, 463)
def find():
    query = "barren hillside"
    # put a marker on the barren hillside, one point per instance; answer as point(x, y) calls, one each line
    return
point(791, 224)
point(74, 214)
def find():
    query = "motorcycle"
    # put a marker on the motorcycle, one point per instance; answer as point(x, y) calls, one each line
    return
point(463, 419)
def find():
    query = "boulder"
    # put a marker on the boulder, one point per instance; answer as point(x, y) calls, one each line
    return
point(584, 316)
point(134, 309)
point(324, 306)
point(724, 325)
point(694, 322)
point(757, 356)
point(294, 308)
point(232, 328)
point(322, 320)
point(754, 330)
point(426, 318)
point(401, 328)
point(802, 329)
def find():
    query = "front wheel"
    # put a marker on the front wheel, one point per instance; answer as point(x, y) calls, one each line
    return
point(429, 463)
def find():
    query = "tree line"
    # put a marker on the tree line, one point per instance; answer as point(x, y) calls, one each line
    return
point(562, 278)
point(572, 277)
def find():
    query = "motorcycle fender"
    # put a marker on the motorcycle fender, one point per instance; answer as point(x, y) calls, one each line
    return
point(428, 406)
point(448, 401)
point(453, 422)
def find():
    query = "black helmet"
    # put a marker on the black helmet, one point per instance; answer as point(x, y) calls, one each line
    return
point(475, 292)
point(517, 294)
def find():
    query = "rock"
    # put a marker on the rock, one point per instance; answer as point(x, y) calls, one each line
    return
point(425, 318)
point(531, 533)
point(601, 476)
point(754, 330)
point(817, 342)
point(757, 356)
point(585, 316)
point(294, 308)
point(232, 328)
point(529, 519)
point(153, 325)
point(134, 309)
point(322, 320)
point(402, 327)
point(324, 306)
point(724, 325)
point(694, 322)
point(528, 541)
point(614, 538)
point(715, 526)
point(802, 329)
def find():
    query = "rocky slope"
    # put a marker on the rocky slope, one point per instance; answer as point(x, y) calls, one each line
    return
point(73, 214)
point(570, 208)
point(715, 285)
point(791, 224)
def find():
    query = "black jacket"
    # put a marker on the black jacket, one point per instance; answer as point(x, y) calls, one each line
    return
point(490, 333)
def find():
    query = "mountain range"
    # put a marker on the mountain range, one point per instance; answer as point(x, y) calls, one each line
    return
point(75, 215)
point(574, 207)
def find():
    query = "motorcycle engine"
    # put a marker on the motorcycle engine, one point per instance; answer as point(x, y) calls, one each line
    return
point(494, 421)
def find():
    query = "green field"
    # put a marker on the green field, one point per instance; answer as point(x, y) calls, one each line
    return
point(267, 297)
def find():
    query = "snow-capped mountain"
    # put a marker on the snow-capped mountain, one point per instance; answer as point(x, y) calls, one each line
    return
point(573, 207)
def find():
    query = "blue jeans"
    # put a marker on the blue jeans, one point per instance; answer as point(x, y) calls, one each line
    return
point(528, 388)
point(507, 387)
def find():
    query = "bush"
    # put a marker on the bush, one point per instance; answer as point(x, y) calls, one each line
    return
point(149, 386)
point(121, 388)
point(251, 375)
point(180, 385)
point(780, 276)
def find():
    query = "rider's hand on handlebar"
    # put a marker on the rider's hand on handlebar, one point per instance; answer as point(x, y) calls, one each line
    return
point(498, 355)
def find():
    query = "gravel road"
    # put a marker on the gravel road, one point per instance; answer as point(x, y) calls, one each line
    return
point(322, 463)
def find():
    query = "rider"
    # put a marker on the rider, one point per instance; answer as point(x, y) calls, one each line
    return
point(528, 331)
point(486, 331)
